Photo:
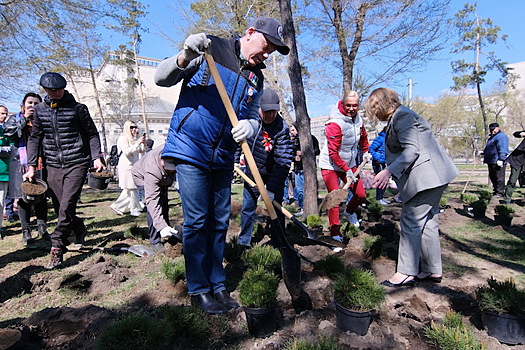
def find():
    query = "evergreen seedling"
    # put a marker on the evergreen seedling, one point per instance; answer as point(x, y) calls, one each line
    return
point(357, 289)
point(331, 264)
point(314, 221)
point(187, 321)
point(323, 343)
point(485, 195)
point(373, 246)
point(258, 288)
point(453, 334)
point(174, 269)
point(504, 210)
point(467, 198)
point(138, 331)
point(264, 256)
point(501, 297)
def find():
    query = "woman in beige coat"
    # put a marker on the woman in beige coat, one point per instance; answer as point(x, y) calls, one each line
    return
point(130, 148)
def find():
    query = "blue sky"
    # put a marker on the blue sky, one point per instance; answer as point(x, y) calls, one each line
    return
point(436, 79)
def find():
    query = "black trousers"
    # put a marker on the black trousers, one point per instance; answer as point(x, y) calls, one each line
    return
point(154, 234)
point(66, 184)
point(497, 177)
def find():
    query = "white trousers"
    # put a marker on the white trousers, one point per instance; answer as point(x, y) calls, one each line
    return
point(128, 199)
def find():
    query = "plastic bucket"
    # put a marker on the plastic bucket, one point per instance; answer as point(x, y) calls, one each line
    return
point(354, 321)
point(34, 192)
point(100, 180)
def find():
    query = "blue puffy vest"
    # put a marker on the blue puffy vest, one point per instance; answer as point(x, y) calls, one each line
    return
point(200, 130)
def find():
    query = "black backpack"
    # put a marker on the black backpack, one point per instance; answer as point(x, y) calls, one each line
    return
point(114, 156)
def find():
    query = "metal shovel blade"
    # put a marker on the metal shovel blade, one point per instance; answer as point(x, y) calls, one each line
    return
point(140, 250)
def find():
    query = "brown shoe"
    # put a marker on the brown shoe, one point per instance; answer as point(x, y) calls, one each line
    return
point(56, 256)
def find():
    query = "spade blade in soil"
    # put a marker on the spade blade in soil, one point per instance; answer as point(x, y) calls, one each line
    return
point(333, 199)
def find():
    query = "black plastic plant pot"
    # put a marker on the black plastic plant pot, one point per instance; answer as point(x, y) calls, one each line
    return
point(261, 322)
point(98, 182)
point(478, 213)
point(504, 220)
point(356, 322)
point(506, 328)
point(387, 231)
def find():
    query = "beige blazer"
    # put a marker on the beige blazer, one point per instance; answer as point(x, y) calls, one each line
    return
point(413, 156)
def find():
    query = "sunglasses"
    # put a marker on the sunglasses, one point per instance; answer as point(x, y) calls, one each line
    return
point(133, 127)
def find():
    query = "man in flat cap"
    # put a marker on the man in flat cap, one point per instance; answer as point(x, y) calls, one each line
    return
point(272, 150)
point(202, 143)
point(494, 155)
point(65, 134)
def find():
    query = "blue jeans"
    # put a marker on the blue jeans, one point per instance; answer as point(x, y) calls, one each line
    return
point(298, 189)
point(249, 205)
point(206, 199)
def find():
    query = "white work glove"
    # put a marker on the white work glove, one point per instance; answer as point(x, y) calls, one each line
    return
point(167, 232)
point(244, 130)
point(350, 175)
point(367, 157)
point(499, 163)
point(194, 46)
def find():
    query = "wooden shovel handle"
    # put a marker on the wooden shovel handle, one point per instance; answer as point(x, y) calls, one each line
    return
point(357, 172)
point(248, 156)
point(254, 185)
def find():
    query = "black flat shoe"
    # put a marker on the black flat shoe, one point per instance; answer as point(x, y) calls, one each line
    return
point(206, 302)
point(225, 300)
point(429, 278)
point(403, 283)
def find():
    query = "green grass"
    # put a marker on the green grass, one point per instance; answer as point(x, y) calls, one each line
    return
point(490, 242)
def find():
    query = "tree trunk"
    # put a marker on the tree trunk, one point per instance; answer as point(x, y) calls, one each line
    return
point(483, 112)
point(301, 113)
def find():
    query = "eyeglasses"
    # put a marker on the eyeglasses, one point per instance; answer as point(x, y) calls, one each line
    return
point(133, 127)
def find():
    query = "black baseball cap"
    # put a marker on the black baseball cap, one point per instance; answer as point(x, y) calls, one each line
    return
point(51, 80)
point(493, 125)
point(272, 31)
point(269, 100)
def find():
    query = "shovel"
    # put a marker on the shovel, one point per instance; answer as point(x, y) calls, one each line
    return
point(309, 235)
point(137, 249)
point(334, 198)
point(290, 257)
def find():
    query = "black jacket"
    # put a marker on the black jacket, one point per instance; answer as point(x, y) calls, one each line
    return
point(517, 158)
point(66, 133)
point(274, 160)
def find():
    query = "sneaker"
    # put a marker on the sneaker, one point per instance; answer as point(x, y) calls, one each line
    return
point(116, 210)
point(42, 231)
point(26, 235)
point(299, 213)
point(398, 199)
point(352, 218)
point(383, 202)
point(56, 257)
point(135, 213)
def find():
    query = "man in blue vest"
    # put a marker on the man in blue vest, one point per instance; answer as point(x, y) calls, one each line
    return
point(202, 143)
